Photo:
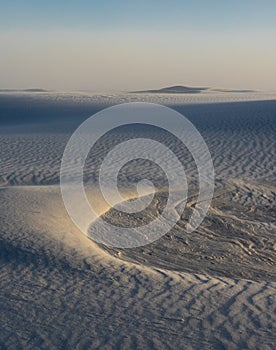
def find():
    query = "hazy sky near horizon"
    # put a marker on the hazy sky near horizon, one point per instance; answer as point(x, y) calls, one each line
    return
point(124, 45)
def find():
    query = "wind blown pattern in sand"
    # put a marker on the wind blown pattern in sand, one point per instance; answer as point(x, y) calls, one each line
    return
point(214, 289)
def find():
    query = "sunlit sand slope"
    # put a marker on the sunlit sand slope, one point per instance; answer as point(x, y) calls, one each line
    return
point(59, 291)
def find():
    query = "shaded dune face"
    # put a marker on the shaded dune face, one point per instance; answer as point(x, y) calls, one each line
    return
point(240, 136)
point(235, 240)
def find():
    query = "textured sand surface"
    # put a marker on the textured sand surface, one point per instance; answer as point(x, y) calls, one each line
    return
point(59, 291)
point(214, 289)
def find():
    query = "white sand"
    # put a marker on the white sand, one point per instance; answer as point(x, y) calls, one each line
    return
point(60, 290)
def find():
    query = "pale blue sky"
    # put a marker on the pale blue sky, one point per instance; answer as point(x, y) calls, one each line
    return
point(110, 45)
point(103, 14)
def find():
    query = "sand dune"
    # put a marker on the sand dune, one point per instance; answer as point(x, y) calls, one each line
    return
point(58, 289)
point(214, 289)
point(178, 89)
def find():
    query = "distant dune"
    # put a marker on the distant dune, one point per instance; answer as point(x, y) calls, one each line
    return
point(24, 90)
point(231, 90)
point(179, 89)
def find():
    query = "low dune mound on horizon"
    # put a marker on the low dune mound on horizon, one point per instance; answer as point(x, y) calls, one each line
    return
point(178, 89)
point(32, 90)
